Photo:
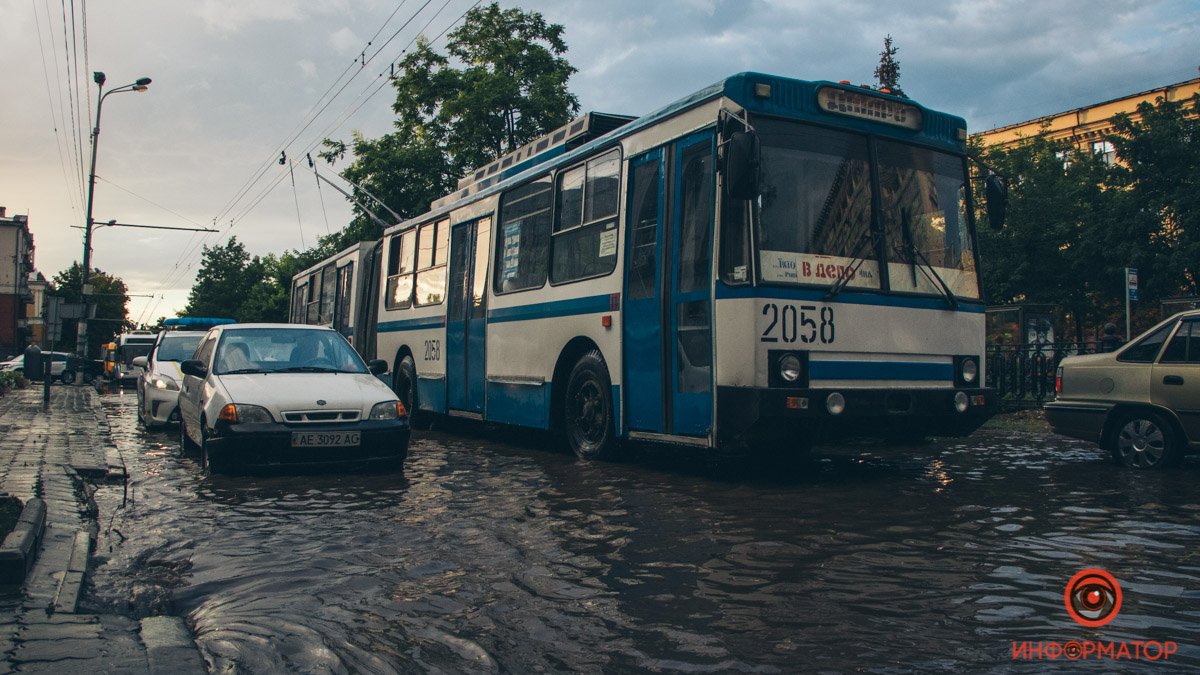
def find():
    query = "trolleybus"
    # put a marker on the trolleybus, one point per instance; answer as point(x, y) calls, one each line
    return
point(765, 262)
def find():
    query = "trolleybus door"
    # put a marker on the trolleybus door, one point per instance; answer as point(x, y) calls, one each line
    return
point(642, 318)
point(667, 319)
point(465, 316)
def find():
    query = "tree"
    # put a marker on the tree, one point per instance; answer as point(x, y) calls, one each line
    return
point(110, 297)
point(1063, 233)
point(506, 85)
point(1160, 169)
point(226, 278)
point(887, 73)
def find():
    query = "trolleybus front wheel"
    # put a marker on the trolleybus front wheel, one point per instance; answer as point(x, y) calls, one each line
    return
point(588, 410)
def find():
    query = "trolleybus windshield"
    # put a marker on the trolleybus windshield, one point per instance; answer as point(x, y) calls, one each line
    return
point(814, 213)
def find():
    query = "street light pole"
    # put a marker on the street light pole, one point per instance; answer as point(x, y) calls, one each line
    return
point(99, 78)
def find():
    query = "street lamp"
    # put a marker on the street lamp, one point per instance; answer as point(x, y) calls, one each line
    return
point(98, 77)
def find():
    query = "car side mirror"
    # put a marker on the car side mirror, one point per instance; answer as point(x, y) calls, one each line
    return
point(194, 368)
point(996, 193)
point(377, 366)
point(741, 165)
point(140, 362)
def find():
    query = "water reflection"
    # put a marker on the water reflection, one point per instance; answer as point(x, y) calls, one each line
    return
point(489, 556)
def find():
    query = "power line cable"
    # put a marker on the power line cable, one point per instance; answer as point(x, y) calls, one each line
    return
point(310, 115)
point(75, 206)
point(320, 194)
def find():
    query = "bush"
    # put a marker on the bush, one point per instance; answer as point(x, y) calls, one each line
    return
point(9, 379)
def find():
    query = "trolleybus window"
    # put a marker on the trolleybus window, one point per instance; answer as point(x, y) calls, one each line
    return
point(815, 208)
point(299, 298)
point(328, 288)
point(401, 266)
point(311, 307)
point(924, 201)
point(345, 285)
point(585, 234)
point(523, 237)
point(432, 244)
point(643, 215)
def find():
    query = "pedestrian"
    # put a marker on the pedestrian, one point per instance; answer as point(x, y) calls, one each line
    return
point(1109, 342)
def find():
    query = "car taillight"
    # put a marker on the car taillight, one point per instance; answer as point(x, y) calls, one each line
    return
point(1058, 380)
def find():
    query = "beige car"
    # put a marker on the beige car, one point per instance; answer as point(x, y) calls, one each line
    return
point(1141, 402)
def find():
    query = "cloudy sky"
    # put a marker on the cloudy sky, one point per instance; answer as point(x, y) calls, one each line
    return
point(236, 81)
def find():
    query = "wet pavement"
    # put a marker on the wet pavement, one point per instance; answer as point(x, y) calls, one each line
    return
point(504, 556)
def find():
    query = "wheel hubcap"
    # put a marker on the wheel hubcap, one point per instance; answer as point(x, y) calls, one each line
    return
point(1141, 443)
point(588, 412)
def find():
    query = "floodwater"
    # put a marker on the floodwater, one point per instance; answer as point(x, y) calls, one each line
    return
point(491, 556)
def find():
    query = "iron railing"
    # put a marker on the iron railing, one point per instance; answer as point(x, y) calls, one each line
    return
point(1024, 376)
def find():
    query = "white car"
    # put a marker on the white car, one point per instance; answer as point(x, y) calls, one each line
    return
point(269, 395)
point(158, 384)
point(58, 364)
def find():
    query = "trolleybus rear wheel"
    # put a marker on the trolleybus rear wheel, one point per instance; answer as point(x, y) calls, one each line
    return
point(587, 409)
point(406, 388)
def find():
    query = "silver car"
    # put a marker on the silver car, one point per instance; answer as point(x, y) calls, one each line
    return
point(1141, 402)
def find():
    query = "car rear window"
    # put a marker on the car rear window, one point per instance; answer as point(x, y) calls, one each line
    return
point(1185, 346)
point(1144, 350)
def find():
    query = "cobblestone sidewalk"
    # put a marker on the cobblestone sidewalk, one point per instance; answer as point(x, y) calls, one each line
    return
point(53, 454)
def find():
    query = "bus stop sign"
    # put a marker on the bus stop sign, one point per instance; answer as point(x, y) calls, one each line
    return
point(1131, 282)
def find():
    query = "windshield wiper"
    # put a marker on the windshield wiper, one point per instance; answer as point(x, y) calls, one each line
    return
point(243, 371)
point(857, 259)
point(927, 267)
point(310, 369)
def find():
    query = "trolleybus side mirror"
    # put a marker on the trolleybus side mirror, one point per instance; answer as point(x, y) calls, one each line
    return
point(741, 165)
point(996, 193)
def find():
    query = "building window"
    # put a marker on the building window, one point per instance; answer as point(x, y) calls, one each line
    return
point(522, 243)
point(1106, 151)
point(585, 228)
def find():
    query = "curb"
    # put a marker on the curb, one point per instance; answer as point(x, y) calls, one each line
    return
point(169, 646)
point(66, 598)
point(20, 547)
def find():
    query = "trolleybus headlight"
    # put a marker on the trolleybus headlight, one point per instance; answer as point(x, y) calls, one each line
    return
point(970, 370)
point(789, 368)
point(960, 401)
point(835, 403)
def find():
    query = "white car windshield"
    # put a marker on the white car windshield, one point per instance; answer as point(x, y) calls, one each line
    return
point(177, 347)
point(285, 350)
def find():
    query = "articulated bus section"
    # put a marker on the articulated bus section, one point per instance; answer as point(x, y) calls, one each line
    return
point(765, 260)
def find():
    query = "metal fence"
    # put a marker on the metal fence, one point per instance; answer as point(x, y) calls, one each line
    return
point(1024, 376)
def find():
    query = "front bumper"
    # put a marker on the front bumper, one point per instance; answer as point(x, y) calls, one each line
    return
point(882, 413)
point(1084, 421)
point(270, 445)
point(161, 405)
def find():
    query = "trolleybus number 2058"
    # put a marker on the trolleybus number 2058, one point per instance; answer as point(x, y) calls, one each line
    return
point(803, 323)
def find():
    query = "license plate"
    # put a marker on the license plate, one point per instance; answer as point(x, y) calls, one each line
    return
point(325, 439)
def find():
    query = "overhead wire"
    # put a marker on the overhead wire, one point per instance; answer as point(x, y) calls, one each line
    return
point(72, 76)
point(310, 115)
point(364, 97)
point(76, 206)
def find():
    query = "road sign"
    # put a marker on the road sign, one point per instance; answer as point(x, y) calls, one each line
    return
point(1131, 282)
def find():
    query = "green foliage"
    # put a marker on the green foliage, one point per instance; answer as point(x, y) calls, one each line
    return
point(887, 73)
point(110, 298)
point(506, 85)
point(233, 284)
point(1074, 223)
point(1161, 171)
point(9, 379)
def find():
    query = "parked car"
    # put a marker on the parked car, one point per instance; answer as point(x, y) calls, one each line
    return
point(158, 385)
point(1142, 402)
point(58, 365)
point(268, 395)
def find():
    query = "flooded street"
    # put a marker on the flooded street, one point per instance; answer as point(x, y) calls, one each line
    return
point(499, 556)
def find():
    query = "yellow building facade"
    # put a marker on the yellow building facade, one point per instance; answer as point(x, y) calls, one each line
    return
point(1087, 127)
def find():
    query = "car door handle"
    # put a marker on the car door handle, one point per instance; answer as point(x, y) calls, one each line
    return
point(1172, 379)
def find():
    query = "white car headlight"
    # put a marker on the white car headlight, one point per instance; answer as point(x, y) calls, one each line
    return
point(387, 410)
point(160, 382)
point(242, 413)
